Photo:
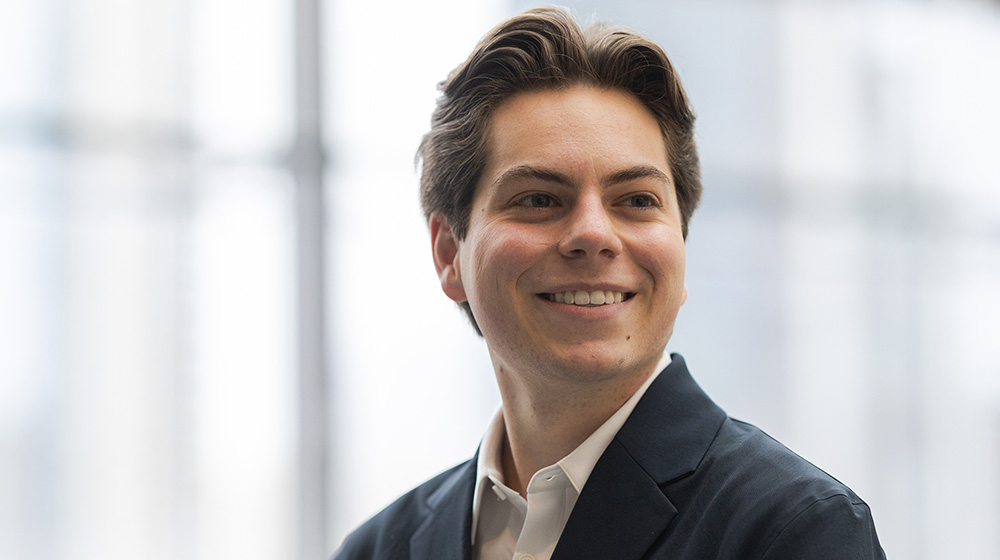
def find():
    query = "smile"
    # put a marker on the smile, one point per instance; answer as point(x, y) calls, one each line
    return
point(582, 298)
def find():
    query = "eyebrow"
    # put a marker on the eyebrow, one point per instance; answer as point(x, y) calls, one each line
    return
point(637, 172)
point(528, 172)
point(618, 177)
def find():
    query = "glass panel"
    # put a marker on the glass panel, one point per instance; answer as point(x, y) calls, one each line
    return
point(147, 281)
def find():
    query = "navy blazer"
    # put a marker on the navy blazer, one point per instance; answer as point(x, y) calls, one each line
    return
point(681, 480)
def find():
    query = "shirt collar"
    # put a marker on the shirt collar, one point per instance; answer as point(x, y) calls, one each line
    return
point(577, 465)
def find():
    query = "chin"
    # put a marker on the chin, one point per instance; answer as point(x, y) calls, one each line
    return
point(596, 362)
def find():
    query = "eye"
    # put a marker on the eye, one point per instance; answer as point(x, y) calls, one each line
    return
point(640, 201)
point(537, 200)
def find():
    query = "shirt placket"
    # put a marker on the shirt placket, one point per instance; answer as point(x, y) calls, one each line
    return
point(543, 523)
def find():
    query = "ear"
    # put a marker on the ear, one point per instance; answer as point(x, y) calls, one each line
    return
point(445, 247)
point(685, 296)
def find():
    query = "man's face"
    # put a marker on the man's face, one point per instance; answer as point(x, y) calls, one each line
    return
point(576, 201)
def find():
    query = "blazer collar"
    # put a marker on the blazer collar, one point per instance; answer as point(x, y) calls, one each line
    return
point(672, 426)
point(622, 509)
point(450, 508)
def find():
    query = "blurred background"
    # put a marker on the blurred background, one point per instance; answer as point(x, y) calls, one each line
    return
point(221, 335)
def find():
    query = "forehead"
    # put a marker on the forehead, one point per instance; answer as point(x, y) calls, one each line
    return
point(575, 129)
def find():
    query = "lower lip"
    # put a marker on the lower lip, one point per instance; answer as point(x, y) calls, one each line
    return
point(585, 312)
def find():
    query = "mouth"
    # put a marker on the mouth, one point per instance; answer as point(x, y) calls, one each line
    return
point(583, 298)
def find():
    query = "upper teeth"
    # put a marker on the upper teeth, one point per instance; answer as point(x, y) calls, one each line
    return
point(580, 297)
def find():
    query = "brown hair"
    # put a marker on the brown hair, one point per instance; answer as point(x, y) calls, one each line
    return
point(542, 49)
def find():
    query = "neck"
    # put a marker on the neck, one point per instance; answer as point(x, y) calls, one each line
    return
point(547, 419)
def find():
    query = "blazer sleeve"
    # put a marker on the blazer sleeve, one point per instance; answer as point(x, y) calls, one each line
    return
point(833, 528)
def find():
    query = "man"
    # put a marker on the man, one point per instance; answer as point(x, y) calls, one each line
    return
point(558, 180)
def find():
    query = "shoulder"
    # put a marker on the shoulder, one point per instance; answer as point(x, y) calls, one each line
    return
point(775, 502)
point(387, 534)
point(756, 462)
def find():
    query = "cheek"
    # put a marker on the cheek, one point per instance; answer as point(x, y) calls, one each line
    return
point(503, 254)
point(496, 269)
point(666, 264)
point(660, 250)
point(664, 260)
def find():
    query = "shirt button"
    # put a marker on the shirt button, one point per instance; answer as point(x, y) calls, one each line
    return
point(525, 557)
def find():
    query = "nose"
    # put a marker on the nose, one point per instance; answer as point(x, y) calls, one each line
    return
point(590, 231)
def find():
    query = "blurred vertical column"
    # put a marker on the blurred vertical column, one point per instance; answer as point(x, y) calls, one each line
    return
point(307, 168)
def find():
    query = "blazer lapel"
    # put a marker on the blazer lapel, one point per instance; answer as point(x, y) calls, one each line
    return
point(619, 514)
point(622, 509)
point(446, 532)
point(672, 425)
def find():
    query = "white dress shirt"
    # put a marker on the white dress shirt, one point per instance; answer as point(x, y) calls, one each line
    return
point(506, 526)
